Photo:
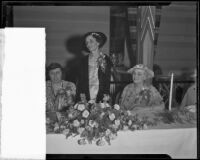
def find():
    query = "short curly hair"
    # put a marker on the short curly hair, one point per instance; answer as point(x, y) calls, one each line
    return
point(53, 66)
point(99, 36)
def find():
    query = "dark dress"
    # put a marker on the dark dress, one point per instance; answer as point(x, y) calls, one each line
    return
point(103, 76)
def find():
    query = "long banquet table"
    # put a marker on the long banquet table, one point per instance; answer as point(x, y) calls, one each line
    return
point(175, 140)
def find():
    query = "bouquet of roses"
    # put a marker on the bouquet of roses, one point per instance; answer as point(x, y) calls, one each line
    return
point(100, 123)
point(178, 115)
point(97, 122)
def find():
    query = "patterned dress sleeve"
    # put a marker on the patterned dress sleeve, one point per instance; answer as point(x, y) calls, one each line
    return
point(69, 86)
point(156, 98)
point(125, 99)
point(50, 105)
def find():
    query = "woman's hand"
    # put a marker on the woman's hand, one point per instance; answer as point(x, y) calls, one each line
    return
point(191, 108)
point(61, 102)
point(50, 106)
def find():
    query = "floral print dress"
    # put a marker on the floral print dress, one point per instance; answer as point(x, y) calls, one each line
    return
point(67, 92)
point(148, 96)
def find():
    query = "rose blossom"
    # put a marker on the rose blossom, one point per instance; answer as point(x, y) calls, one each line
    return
point(91, 123)
point(115, 126)
point(62, 127)
point(106, 97)
point(125, 128)
point(145, 126)
point(129, 122)
point(117, 107)
point(112, 116)
point(107, 105)
point(85, 114)
point(76, 123)
point(82, 121)
point(66, 131)
point(80, 130)
point(102, 114)
point(112, 136)
point(129, 113)
point(88, 128)
point(75, 106)
point(108, 132)
point(66, 122)
point(96, 125)
point(56, 127)
point(102, 105)
point(100, 142)
point(48, 120)
point(81, 107)
point(82, 142)
point(117, 122)
point(70, 115)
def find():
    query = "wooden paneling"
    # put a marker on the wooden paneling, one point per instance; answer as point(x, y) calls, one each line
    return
point(63, 23)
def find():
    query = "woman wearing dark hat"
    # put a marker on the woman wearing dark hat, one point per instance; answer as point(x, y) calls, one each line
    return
point(95, 69)
point(138, 93)
point(59, 93)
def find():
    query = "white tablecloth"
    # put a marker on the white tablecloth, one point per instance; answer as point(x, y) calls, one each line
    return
point(177, 143)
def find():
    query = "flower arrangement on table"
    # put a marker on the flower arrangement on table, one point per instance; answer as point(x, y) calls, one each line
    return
point(100, 122)
point(97, 122)
point(178, 115)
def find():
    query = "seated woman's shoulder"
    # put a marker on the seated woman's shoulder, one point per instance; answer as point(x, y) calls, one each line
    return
point(156, 96)
point(153, 89)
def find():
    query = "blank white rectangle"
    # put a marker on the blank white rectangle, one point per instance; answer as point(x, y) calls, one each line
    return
point(23, 133)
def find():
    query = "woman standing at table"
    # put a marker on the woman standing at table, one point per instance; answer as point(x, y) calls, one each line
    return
point(59, 93)
point(138, 94)
point(95, 69)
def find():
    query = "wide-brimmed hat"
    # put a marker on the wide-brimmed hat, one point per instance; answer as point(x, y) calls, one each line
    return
point(99, 36)
point(149, 73)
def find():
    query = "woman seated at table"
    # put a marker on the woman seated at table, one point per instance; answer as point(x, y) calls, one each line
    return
point(139, 94)
point(59, 93)
point(190, 98)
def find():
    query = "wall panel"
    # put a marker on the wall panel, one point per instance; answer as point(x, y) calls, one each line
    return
point(62, 24)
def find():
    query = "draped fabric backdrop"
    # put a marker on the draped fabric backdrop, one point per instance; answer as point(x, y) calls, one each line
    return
point(131, 33)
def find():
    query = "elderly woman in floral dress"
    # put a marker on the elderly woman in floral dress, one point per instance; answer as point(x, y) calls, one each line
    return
point(59, 93)
point(139, 94)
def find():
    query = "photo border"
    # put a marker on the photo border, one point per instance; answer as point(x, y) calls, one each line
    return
point(7, 21)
